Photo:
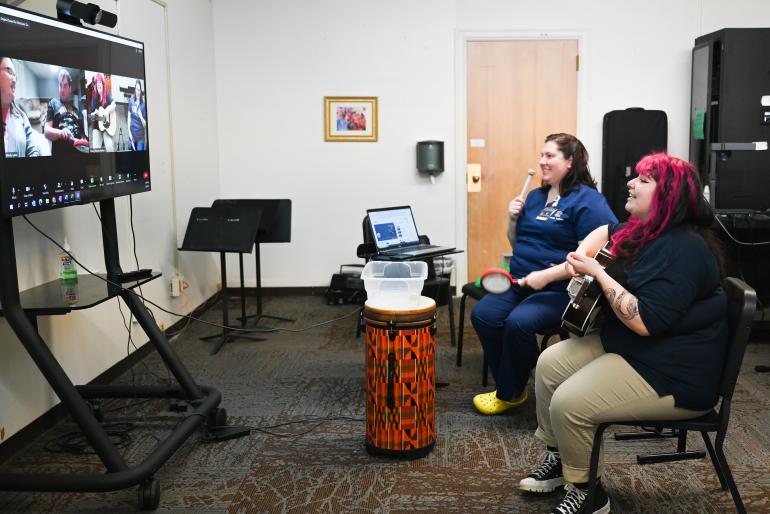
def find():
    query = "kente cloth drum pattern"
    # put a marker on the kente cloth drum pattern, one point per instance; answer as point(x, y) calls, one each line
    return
point(400, 382)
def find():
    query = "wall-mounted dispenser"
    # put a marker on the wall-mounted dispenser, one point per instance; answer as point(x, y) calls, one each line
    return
point(430, 157)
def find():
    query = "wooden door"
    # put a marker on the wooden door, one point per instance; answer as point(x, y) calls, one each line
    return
point(518, 93)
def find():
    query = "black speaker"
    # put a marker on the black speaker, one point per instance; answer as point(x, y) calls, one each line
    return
point(430, 156)
point(730, 85)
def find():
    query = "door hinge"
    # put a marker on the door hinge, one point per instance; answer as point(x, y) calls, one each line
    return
point(577, 63)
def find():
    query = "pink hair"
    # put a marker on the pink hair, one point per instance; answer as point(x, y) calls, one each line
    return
point(675, 200)
point(100, 78)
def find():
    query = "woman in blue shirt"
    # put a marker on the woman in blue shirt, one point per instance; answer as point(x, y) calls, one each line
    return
point(660, 352)
point(552, 221)
point(137, 119)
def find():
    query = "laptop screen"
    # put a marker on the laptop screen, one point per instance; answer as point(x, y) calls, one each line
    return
point(393, 227)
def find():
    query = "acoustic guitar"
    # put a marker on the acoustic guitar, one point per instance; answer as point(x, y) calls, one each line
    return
point(583, 310)
point(106, 122)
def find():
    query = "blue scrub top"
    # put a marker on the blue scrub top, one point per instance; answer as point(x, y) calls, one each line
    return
point(545, 234)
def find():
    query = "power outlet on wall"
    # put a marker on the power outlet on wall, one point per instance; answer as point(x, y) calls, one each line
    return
point(177, 282)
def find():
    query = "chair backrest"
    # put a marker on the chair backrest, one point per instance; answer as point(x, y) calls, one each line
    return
point(741, 306)
point(367, 231)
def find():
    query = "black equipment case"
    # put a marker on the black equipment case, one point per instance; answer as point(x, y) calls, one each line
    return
point(346, 286)
point(628, 136)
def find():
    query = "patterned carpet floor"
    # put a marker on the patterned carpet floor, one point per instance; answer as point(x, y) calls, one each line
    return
point(304, 394)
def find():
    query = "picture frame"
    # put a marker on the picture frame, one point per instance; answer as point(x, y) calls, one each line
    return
point(350, 118)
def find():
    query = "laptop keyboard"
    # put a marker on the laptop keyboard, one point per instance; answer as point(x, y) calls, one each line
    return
point(410, 250)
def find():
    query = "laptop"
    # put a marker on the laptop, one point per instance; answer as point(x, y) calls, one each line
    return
point(396, 237)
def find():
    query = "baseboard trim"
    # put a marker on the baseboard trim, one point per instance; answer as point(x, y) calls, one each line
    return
point(235, 292)
point(250, 292)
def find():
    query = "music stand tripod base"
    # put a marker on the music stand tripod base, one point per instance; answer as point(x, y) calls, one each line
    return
point(229, 335)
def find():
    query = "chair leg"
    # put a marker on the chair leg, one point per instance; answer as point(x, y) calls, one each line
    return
point(681, 443)
point(360, 322)
point(728, 474)
point(451, 308)
point(714, 460)
point(593, 470)
point(680, 454)
point(460, 332)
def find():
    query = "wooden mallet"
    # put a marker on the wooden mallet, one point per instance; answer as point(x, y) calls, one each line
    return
point(530, 174)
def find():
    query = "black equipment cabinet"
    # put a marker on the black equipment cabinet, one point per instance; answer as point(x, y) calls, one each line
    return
point(628, 135)
point(730, 84)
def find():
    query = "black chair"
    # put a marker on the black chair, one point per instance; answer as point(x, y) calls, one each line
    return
point(741, 305)
point(477, 293)
point(435, 287)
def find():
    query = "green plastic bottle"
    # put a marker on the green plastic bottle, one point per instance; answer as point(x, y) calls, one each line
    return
point(68, 272)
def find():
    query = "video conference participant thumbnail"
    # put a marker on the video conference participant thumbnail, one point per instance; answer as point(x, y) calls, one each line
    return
point(64, 125)
point(17, 132)
point(101, 114)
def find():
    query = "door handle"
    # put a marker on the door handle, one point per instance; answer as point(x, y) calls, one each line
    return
point(473, 178)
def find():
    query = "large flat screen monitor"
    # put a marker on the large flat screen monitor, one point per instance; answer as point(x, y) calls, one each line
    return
point(74, 114)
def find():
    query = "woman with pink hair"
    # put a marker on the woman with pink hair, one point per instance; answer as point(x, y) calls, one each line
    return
point(659, 354)
point(101, 112)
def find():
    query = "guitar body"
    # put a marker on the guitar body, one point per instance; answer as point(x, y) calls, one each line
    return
point(582, 311)
point(106, 122)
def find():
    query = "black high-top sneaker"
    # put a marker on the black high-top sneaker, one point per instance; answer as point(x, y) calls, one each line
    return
point(545, 478)
point(576, 500)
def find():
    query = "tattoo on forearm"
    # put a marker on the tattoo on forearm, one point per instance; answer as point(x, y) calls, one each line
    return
point(610, 294)
point(631, 309)
point(566, 268)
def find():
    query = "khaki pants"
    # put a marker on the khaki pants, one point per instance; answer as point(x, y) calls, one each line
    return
point(99, 139)
point(578, 386)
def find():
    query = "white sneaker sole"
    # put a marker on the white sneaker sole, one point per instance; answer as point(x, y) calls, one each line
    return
point(541, 486)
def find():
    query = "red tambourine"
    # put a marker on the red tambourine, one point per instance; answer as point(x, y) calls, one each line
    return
point(81, 145)
point(497, 281)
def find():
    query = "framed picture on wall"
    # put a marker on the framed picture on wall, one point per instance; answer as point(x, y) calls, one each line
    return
point(350, 118)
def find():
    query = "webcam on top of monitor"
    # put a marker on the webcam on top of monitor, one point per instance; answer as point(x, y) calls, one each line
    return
point(73, 12)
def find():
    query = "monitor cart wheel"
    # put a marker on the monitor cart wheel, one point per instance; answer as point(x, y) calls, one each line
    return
point(149, 494)
point(218, 418)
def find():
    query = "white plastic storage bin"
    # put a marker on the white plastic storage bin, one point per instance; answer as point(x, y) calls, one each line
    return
point(394, 284)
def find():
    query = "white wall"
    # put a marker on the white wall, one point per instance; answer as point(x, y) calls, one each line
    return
point(275, 63)
point(184, 175)
point(277, 60)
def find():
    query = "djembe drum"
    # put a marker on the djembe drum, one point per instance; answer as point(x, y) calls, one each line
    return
point(400, 379)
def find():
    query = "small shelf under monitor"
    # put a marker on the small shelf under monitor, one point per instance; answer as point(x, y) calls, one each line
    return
point(57, 297)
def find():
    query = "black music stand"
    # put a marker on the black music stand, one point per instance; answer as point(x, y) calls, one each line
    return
point(222, 229)
point(274, 227)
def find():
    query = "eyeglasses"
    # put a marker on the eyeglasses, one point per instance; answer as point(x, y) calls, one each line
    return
point(11, 73)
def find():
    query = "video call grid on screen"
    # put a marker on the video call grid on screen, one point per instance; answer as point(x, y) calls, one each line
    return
point(57, 70)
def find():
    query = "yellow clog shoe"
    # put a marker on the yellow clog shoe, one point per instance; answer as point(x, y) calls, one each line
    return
point(489, 404)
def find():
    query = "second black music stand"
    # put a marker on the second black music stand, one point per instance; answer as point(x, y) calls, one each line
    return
point(274, 227)
point(222, 229)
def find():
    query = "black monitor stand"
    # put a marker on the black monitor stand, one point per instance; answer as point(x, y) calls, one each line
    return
point(223, 229)
point(21, 317)
point(274, 227)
